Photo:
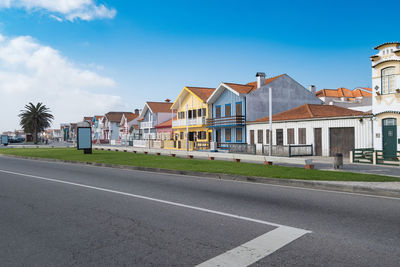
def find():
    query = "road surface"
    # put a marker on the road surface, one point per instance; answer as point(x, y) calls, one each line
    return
point(56, 214)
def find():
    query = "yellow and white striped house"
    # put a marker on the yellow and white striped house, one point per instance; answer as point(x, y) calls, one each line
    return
point(189, 125)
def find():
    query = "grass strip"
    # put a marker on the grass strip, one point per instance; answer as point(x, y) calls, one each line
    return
point(196, 165)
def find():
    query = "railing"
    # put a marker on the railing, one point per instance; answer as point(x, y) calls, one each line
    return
point(381, 159)
point(189, 122)
point(237, 148)
point(301, 150)
point(201, 145)
point(363, 155)
point(232, 120)
point(147, 124)
point(147, 136)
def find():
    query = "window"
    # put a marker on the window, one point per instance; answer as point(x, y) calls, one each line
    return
point(239, 109)
point(227, 135)
point(302, 136)
point(199, 112)
point(227, 110)
point(260, 136)
point(267, 136)
point(181, 135)
point(194, 113)
point(388, 80)
point(239, 135)
point(203, 112)
point(389, 122)
point(203, 135)
point(290, 136)
point(218, 111)
point(189, 114)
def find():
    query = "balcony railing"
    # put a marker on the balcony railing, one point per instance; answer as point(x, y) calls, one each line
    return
point(189, 122)
point(225, 121)
point(147, 124)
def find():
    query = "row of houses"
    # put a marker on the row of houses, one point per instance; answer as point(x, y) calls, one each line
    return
point(236, 117)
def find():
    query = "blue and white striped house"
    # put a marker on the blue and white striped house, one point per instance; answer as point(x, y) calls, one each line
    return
point(232, 105)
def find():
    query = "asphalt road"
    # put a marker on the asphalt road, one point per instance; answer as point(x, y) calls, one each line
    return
point(54, 214)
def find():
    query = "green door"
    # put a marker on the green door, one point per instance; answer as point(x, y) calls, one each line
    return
point(389, 138)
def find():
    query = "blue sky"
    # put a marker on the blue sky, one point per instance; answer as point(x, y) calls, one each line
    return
point(151, 49)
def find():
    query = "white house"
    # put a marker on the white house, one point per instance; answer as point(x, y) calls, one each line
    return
point(386, 100)
point(329, 129)
point(128, 126)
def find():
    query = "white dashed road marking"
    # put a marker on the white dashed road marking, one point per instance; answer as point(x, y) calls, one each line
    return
point(244, 255)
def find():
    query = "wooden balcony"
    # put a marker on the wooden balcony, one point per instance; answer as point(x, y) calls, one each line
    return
point(226, 121)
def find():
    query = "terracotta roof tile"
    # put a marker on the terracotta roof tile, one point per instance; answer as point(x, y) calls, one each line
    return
point(116, 116)
point(131, 116)
point(157, 107)
point(342, 92)
point(166, 124)
point(247, 88)
point(202, 92)
point(309, 111)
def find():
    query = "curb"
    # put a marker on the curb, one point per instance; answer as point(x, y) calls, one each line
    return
point(262, 180)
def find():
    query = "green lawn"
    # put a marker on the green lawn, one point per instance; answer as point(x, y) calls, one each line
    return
point(197, 165)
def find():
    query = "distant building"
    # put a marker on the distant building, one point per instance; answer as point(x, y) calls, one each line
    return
point(358, 99)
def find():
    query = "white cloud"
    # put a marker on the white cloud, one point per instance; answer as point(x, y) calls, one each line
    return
point(31, 72)
point(64, 9)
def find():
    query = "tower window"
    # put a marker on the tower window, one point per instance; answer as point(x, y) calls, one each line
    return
point(388, 80)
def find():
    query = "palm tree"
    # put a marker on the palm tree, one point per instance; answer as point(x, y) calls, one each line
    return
point(35, 119)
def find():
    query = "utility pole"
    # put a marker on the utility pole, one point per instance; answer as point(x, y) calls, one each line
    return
point(270, 121)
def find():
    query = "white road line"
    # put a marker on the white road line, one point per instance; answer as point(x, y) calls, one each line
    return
point(148, 198)
point(243, 255)
point(256, 249)
point(228, 181)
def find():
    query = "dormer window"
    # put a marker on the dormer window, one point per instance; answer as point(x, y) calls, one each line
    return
point(388, 80)
point(384, 51)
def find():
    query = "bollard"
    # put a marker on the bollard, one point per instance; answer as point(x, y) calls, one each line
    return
point(338, 161)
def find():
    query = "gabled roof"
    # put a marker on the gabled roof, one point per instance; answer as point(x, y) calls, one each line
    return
point(131, 116)
point(114, 116)
point(98, 117)
point(361, 93)
point(239, 88)
point(202, 92)
point(310, 111)
point(166, 124)
point(157, 107)
point(87, 118)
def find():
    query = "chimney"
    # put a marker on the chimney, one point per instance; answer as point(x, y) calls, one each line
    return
point(260, 79)
point(313, 89)
point(167, 100)
point(136, 111)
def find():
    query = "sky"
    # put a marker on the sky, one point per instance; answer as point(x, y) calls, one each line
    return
point(87, 57)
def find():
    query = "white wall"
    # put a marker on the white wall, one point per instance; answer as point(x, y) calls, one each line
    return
point(362, 131)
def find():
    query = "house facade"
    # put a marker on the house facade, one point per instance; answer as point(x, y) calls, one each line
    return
point(189, 124)
point(112, 126)
point(328, 129)
point(128, 126)
point(153, 114)
point(386, 100)
point(233, 104)
point(98, 128)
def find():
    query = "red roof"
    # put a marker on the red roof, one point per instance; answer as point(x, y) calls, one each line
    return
point(116, 116)
point(202, 92)
point(343, 92)
point(159, 106)
point(166, 124)
point(310, 111)
point(247, 88)
point(131, 116)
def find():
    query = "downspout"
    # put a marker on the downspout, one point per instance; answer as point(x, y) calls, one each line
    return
point(245, 119)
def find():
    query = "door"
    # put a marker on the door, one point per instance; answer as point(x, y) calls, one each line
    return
point(218, 136)
point(389, 134)
point(251, 137)
point(318, 141)
point(341, 140)
point(279, 137)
